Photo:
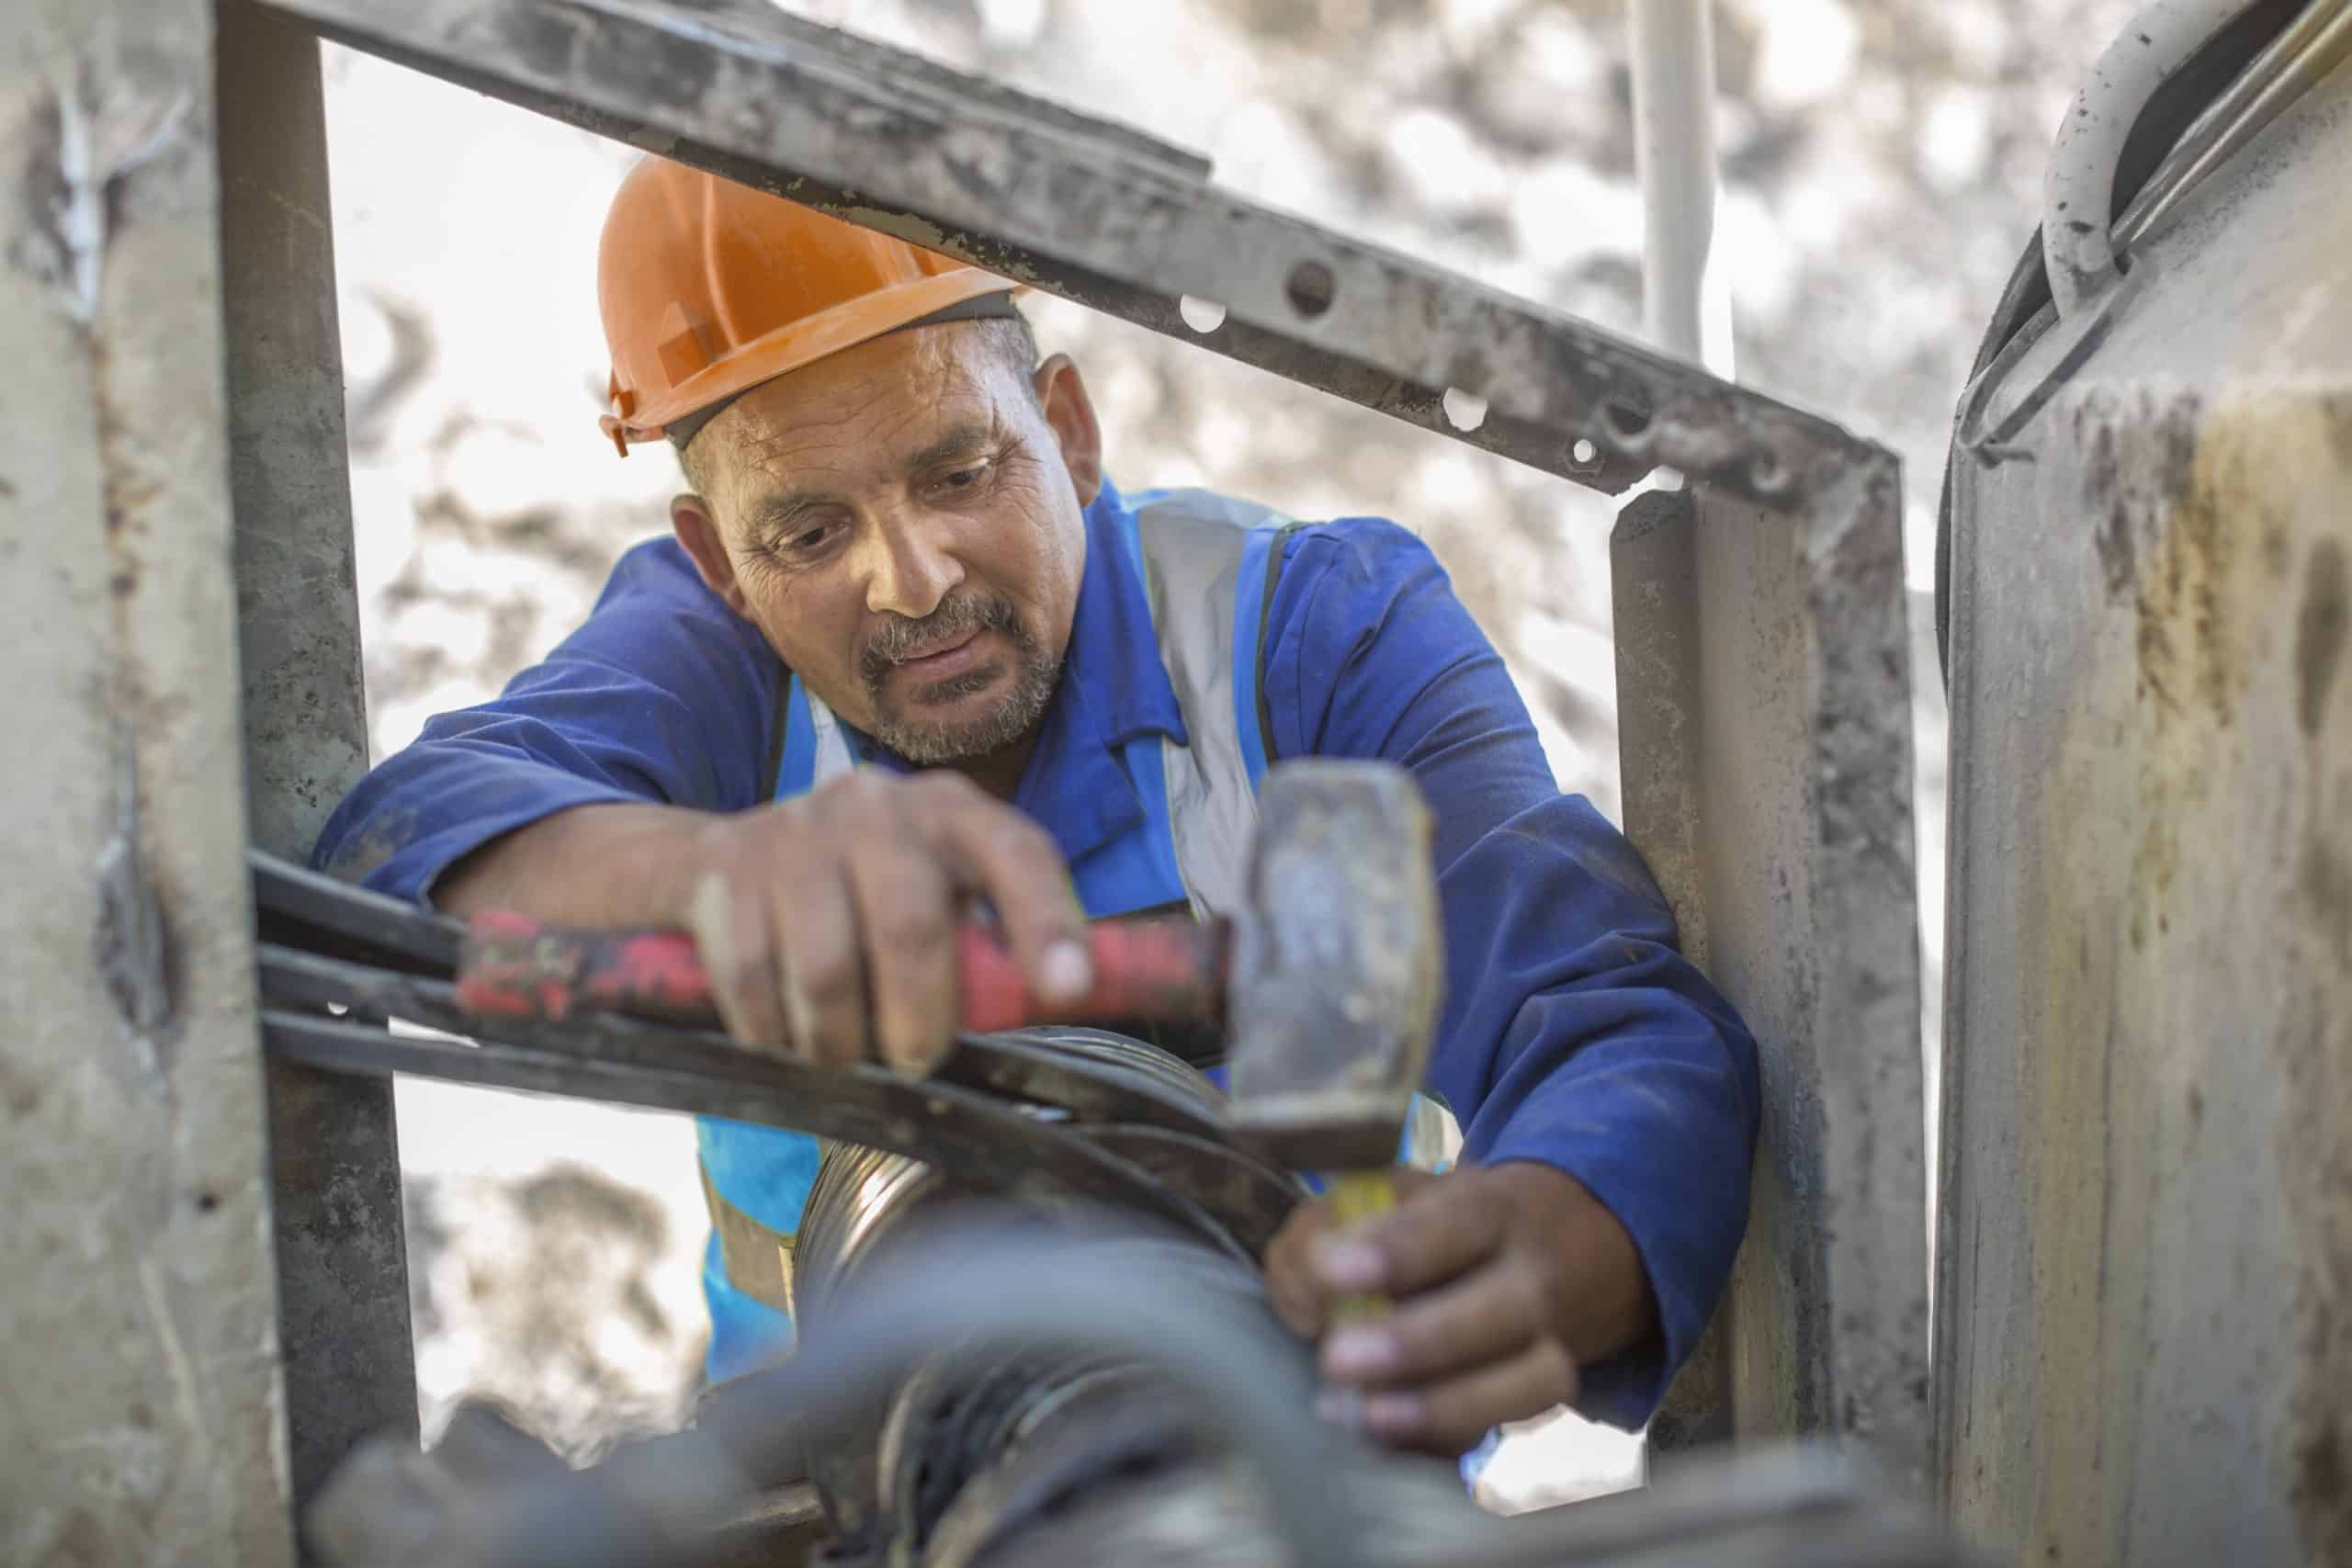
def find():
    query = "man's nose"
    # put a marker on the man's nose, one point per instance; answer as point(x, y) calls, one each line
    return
point(911, 568)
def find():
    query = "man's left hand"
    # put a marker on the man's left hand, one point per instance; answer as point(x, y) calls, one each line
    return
point(1504, 1280)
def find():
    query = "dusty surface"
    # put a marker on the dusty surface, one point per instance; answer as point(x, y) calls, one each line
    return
point(2157, 1324)
point(2149, 1238)
point(140, 1398)
point(1882, 168)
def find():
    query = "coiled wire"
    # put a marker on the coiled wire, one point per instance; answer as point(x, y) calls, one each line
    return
point(861, 1196)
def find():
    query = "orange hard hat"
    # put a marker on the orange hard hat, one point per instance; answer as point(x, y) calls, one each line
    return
point(709, 288)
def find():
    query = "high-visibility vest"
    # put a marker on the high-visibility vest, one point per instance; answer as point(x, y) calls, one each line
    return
point(1209, 564)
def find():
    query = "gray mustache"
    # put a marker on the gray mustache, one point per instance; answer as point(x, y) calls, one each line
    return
point(901, 638)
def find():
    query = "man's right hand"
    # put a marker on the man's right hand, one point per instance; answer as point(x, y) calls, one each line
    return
point(828, 923)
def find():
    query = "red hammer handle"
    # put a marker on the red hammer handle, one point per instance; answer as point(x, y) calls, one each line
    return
point(1155, 970)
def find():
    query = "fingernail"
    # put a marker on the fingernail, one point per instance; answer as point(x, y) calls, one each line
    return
point(1340, 1407)
point(1358, 1352)
point(800, 1018)
point(1393, 1414)
point(1349, 1265)
point(711, 912)
point(1066, 973)
point(923, 1064)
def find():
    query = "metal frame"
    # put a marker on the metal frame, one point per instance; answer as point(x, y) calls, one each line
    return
point(1794, 568)
point(869, 134)
point(334, 1152)
point(1763, 731)
point(1763, 679)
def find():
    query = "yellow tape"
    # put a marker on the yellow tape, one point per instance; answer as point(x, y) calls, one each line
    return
point(1356, 1197)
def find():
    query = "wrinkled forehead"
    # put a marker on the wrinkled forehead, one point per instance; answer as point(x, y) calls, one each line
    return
point(867, 413)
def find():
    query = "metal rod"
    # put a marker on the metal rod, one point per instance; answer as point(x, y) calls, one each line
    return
point(2315, 43)
point(1057, 1068)
point(1686, 309)
point(328, 913)
point(981, 1141)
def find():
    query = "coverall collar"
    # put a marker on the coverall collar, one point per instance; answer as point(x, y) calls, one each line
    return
point(1113, 688)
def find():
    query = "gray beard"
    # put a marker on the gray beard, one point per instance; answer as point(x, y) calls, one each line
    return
point(930, 743)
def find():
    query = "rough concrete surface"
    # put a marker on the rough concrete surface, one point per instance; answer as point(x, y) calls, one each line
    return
point(139, 1406)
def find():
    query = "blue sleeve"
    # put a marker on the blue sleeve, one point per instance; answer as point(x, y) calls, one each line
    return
point(664, 696)
point(1573, 1033)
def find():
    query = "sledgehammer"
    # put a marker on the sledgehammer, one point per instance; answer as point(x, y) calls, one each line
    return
point(1338, 972)
point(1325, 983)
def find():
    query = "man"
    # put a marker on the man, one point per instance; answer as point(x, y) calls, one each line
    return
point(911, 648)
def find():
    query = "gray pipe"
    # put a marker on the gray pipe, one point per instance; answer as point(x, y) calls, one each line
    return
point(2313, 44)
point(1673, 48)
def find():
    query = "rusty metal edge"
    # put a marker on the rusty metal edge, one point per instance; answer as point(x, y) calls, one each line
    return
point(1377, 327)
point(1869, 1065)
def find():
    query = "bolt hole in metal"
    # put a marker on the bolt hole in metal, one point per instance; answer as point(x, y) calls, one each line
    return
point(1464, 411)
point(1311, 287)
point(1203, 316)
point(1624, 418)
point(1584, 452)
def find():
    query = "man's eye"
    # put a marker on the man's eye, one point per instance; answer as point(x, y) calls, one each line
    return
point(964, 478)
point(803, 543)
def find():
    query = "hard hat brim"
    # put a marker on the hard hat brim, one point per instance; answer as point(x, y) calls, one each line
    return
point(799, 343)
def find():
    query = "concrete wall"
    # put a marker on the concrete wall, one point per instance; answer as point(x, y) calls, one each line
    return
point(140, 1404)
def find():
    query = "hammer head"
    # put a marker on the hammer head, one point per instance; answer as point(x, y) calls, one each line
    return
point(1338, 965)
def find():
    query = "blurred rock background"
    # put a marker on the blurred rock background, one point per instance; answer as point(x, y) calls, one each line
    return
point(1882, 164)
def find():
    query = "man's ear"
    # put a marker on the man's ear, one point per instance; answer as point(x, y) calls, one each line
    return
point(1069, 412)
point(697, 530)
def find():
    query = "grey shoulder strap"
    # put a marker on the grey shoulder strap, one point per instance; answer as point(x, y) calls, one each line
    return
point(832, 748)
point(1193, 543)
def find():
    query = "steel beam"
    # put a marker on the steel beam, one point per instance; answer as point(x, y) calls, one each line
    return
point(1763, 713)
point(1654, 577)
point(741, 88)
point(334, 1151)
point(139, 1402)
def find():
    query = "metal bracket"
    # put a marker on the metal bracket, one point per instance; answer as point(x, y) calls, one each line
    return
point(1801, 752)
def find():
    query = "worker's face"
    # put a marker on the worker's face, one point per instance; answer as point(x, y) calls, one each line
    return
point(903, 521)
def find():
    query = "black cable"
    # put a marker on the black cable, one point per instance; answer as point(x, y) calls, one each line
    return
point(1169, 1308)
